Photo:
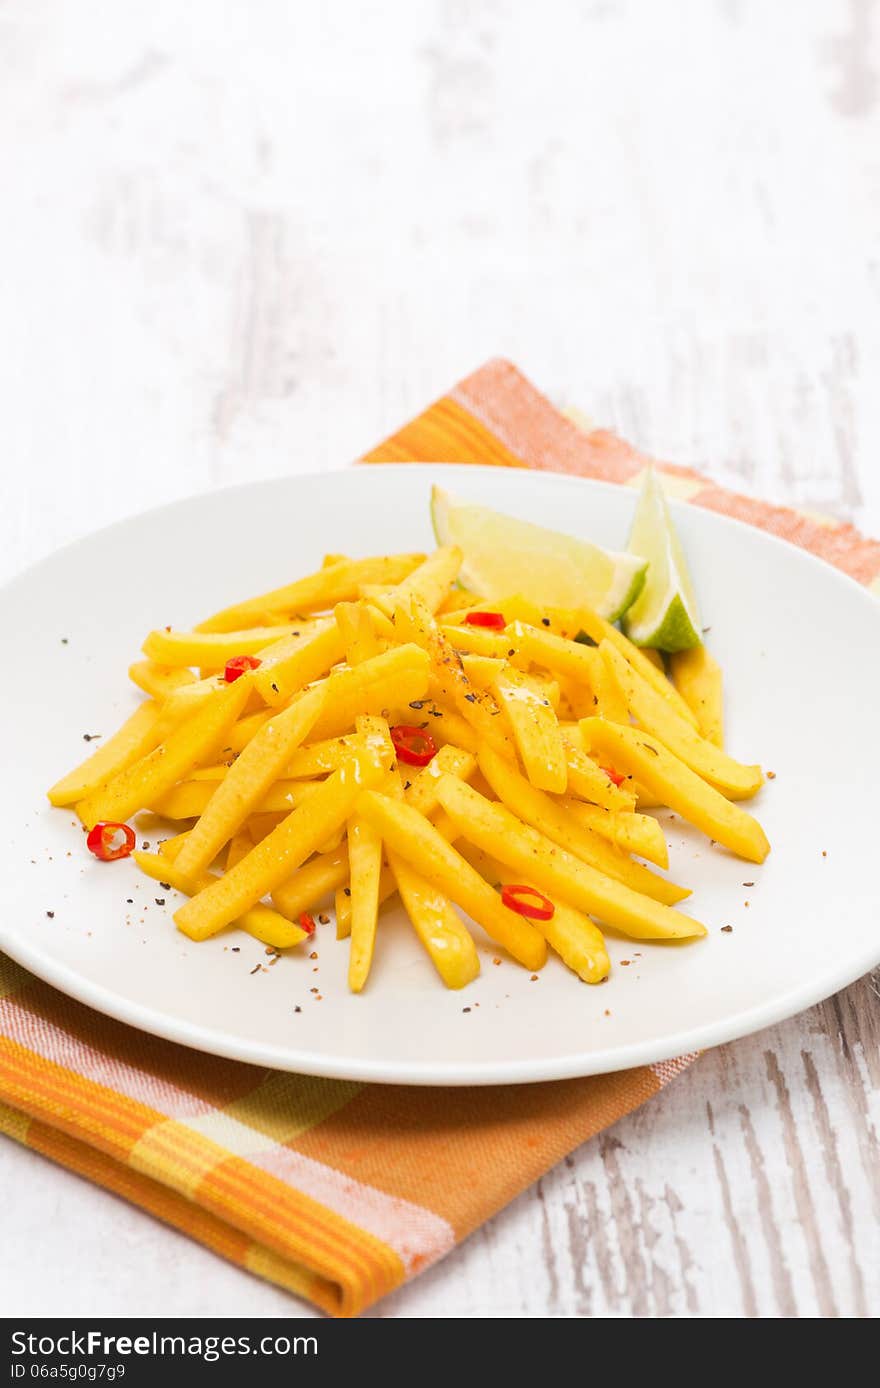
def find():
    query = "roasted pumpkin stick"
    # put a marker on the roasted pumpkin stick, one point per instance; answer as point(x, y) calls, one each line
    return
point(677, 786)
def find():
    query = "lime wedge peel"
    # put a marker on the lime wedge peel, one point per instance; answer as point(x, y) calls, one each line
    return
point(503, 555)
point(665, 614)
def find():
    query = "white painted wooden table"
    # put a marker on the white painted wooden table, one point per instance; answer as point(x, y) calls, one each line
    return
point(245, 238)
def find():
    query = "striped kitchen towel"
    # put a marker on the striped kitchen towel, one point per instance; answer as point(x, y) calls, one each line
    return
point(339, 1191)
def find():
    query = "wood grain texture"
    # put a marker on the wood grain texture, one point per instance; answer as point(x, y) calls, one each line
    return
point(245, 239)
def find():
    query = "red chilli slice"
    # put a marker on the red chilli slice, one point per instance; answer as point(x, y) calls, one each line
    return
point(413, 745)
point(527, 901)
point(616, 776)
point(103, 840)
point(237, 666)
point(493, 620)
point(307, 923)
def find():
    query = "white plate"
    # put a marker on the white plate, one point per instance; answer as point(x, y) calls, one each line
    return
point(800, 647)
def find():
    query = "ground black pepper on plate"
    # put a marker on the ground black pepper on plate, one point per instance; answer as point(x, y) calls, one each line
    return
point(51, 915)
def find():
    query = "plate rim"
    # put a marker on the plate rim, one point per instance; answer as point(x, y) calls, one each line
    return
point(78, 986)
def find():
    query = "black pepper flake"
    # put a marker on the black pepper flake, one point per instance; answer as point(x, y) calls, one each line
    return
point(407, 784)
point(236, 949)
point(51, 915)
point(726, 929)
point(166, 886)
point(417, 704)
point(471, 698)
point(256, 968)
point(435, 713)
point(512, 651)
point(64, 640)
point(748, 884)
point(90, 737)
point(129, 901)
point(583, 639)
point(159, 900)
point(346, 891)
point(297, 1009)
point(465, 1009)
point(145, 845)
point(275, 686)
point(545, 621)
point(824, 852)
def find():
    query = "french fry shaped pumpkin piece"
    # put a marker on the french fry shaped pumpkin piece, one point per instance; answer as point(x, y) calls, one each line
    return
point(415, 839)
point(189, 799)
point(732, 778)
point(569, 656)
point(198, 738)
point(543, 864)
point(429, 583)
point(241, 734)
point(260, 921)
point(536, 808)
point(133, 740)
point(633, 833)
point(460, 602)
point(590, 782)
point(210, 650)
point(481, 670)
point(359, 638)
point(396, 676)
point(319, 758)
point(284, 850)
point(609, 701)
point(366, 862)
point(185, 701)
point(449, 679)
point(535, 729)
point(298, 661)
point(470, 640)
point(663, 774)
point(159, 680)
point(312, 882)
point(329, 585)
point(698, 679)
point(249, 779)
point(449, 726)
point(446, 938)
point(239, 847)
point(421, 793)
point(572, 935)
point(169, 848)
point(387, 888)
point(365, 866)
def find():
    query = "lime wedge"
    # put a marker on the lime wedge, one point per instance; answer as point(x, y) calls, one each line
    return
point(665, 613)
point(503, 555)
